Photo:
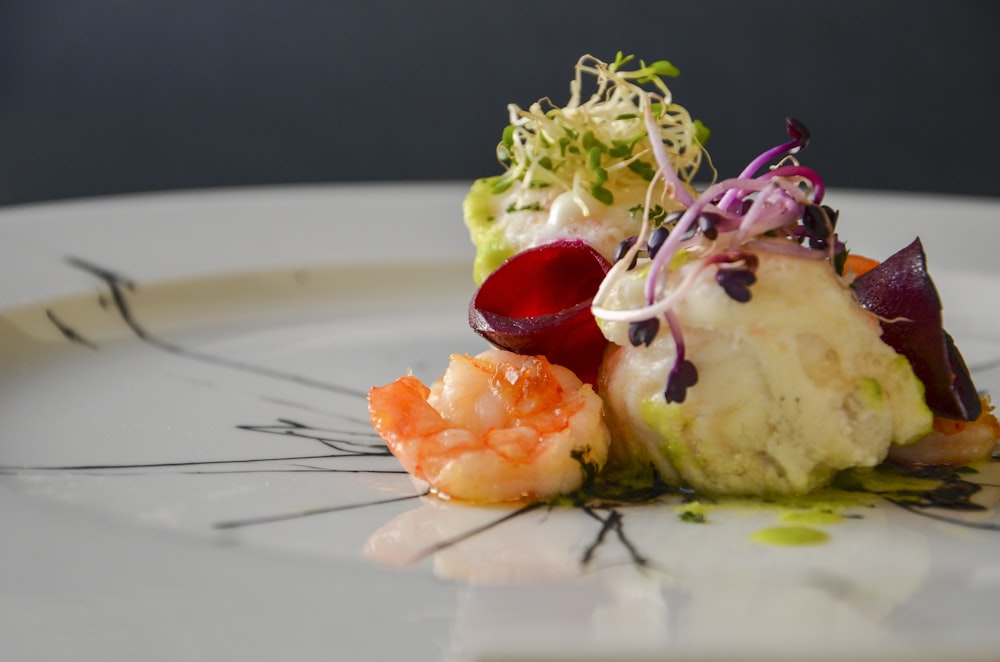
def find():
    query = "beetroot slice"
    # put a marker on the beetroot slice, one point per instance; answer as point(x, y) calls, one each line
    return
point(900, 287)
point(538, 303)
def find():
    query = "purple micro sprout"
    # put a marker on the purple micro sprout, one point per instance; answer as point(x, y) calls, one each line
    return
point(776, 211)
point(800, 139)
point(736, 283)
point(683, 375)
point(644, 332)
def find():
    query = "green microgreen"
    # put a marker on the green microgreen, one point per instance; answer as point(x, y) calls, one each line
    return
point(600, 144)
point(657, 214)
point(701, 132)
point(531, 206)
point(692, 517)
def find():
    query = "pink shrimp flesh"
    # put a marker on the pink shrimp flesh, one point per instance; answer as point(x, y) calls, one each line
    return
point(496, 427)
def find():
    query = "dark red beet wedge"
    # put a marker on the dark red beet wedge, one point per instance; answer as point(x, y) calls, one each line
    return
point(538, 303)
point(898, 288)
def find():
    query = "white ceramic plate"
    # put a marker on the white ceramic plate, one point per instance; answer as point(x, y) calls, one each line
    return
point(187, 472)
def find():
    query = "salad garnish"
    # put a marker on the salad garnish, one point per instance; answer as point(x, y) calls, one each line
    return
point(717, 340)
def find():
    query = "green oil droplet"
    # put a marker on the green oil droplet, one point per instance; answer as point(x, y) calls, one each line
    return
point(790, 536)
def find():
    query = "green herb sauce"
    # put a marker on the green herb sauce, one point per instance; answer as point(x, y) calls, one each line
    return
point(790, 536)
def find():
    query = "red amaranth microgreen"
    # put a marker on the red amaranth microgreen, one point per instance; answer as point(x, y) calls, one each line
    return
point(800, 139)
point(643, 332)
point(683, 375)
point(723, 227)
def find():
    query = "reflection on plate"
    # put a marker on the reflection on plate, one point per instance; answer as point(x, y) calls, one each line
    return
point(228, 405)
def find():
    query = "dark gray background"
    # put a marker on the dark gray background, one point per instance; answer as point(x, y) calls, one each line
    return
point(105, 96)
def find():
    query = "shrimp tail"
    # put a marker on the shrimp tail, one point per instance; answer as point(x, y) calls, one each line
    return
point(400, 411)
point(497, 427)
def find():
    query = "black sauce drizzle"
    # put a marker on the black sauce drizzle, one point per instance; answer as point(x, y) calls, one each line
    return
point(465, 535)
point(953, 492)
point(600, 498)
point(68, 332)
point(342, 446)
point(309, 512)
point(117, 285)
point(614, 521)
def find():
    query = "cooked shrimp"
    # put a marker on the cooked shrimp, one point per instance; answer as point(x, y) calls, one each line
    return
point(955, 443)
point(496, 427)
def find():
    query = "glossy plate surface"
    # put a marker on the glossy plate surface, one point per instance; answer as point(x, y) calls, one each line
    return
point(187, 471)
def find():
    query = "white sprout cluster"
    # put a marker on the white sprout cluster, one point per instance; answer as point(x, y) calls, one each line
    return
point(603, 142)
